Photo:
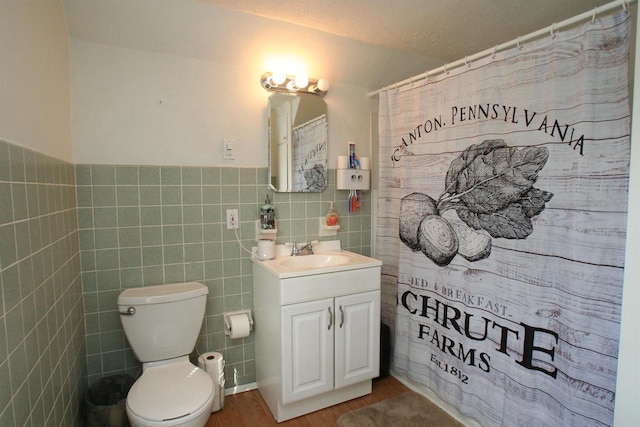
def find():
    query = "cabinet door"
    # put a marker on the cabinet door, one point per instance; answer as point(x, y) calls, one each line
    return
point(307, 349)
point(357, 338)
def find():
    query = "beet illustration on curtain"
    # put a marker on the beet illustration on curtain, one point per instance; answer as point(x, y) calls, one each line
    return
point(503, 190)
point(490, 187)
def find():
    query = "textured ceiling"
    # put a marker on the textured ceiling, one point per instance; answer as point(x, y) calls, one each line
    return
point(447, 30)
point(382, 41)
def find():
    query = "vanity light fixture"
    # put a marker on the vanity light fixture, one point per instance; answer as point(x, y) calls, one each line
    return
point(280, 82)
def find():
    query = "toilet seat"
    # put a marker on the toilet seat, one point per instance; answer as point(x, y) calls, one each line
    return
point(170, 391)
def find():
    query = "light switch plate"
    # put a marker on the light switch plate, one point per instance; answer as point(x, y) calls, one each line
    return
point(229, 149)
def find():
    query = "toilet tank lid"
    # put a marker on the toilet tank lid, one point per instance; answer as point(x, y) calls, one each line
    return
point(158, 294)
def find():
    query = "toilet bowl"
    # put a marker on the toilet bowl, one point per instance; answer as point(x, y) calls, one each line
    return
point(175, 393)
point(162, 323)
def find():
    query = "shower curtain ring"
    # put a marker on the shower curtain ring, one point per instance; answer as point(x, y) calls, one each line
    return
point(445, 69)
point(625, 6)
point(595, 12)
point(553, 32)
point(518, 43)
point(493, 55)
point(466, 63)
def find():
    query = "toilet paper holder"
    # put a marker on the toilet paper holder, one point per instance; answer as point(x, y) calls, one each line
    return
point(227, 322)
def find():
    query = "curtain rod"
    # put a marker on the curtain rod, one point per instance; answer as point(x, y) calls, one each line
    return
point(551, 30)
point(311, 122)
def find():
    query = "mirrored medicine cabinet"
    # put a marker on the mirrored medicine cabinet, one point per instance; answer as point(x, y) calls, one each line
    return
point(297, 134)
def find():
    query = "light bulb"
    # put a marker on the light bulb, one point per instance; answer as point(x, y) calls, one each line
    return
point(302, 81)
point(278, 77)
point(323, 85)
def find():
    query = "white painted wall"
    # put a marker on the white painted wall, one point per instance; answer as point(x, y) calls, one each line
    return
point(138, 107)
point(166, 85)
point(35, 109)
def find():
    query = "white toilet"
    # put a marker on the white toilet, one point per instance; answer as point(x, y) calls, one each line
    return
point(162, 324)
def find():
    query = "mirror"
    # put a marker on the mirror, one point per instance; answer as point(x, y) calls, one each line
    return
point(297, 143)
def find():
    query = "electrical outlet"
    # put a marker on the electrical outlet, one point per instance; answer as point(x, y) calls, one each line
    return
point(232, 219)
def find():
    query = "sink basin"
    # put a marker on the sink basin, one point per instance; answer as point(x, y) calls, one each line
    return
point(328, 258)
point(315, 261)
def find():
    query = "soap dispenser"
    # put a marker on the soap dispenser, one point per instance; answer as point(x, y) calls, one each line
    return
point(332, 216)
point(267, 215)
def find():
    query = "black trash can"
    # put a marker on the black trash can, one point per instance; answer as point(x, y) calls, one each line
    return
point(106, 401)
point(385, 351)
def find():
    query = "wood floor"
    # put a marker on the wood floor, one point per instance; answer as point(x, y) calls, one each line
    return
point(248, 409)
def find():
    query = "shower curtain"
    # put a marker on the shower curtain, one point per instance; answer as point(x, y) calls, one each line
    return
point(502, 222)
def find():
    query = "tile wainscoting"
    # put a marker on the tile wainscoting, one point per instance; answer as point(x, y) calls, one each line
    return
point(42, 336)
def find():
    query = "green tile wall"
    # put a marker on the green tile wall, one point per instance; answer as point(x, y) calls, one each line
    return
point(42, 344)
point(145, 225)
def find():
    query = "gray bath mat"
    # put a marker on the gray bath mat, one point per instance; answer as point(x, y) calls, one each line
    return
point(407, 410)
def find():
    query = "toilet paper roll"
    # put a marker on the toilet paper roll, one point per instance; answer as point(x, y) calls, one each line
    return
point(343, 162)
point(364, 163)
point(239, 326)
point(213, 364)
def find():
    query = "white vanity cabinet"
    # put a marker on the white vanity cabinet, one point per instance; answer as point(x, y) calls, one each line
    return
point(317, 337)
point(330, 343)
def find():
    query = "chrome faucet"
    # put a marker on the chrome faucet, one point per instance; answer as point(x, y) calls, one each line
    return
point(304, 250)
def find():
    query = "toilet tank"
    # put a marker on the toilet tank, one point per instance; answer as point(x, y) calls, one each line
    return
point(163, 321)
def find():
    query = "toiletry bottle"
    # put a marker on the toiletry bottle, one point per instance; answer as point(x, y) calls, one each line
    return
point(352, 155)
point(332, 216)
point(267, 215)
point(354, 163)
